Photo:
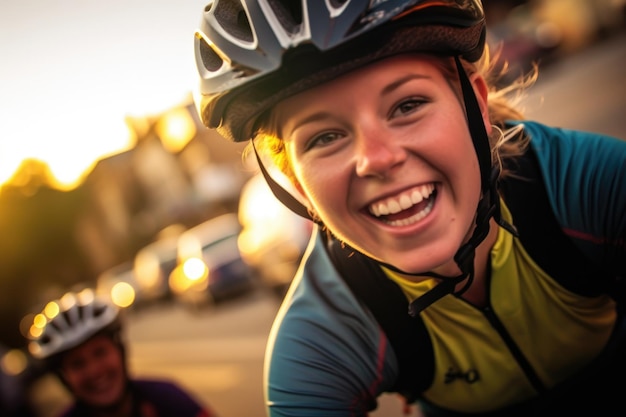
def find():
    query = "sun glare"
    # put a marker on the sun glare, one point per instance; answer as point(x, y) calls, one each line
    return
point(72, 112)
point(70, 156)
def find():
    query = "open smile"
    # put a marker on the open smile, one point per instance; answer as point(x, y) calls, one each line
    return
point(405, 208)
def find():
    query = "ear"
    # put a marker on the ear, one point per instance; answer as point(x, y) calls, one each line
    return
point(482, 95)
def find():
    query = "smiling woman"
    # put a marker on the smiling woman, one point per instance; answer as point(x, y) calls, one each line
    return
point(65, 103)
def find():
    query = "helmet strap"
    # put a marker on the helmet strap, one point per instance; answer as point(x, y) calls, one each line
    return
point(280, 193)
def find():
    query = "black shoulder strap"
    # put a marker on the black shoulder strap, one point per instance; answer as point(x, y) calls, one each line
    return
point(385, 299)
point(541, 234)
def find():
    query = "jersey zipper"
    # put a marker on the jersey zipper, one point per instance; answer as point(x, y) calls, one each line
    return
point(515, 350)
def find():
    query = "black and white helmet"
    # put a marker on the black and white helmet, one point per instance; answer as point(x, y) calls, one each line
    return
point(69, 321)
point(252, 53)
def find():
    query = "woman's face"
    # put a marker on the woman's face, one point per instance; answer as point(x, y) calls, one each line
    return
point(384, 157)
point(95, 372)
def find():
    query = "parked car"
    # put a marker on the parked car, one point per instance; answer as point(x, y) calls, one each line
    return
point(210, 268)
point(144, 280)
point(152, 267)
point(273, 238)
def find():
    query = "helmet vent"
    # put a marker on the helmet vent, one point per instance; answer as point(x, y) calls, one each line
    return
point(337, 4)
point(233, 19)
point(68, 317)
point(99, 310)
point(210, 59)
point(54, 324)
point(288, 13)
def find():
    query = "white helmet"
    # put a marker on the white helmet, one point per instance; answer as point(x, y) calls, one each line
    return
point(70, 321)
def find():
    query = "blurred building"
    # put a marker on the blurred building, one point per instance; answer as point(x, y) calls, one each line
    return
point(136, 194)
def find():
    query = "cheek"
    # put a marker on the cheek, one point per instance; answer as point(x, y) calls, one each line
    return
point(73, 378)
point(460, 156)
point(467, 183)
point(323, 185)
point(454, 137)
point(79, 379)
point(465, 169)
point(453, 154)
point(114, 361)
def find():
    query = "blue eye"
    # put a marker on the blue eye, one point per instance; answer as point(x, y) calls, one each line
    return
point(406, 107)
point(322, 139)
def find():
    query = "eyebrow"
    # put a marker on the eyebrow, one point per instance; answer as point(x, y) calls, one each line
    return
point(311, 118)
point(399, 82)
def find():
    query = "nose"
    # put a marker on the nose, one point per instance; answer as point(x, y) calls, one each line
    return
point(377, 153)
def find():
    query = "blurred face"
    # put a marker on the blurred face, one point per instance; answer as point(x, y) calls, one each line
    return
point(384, 157)
point(95, 372)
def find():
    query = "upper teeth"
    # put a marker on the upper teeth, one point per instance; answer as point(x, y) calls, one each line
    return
point(402, 201)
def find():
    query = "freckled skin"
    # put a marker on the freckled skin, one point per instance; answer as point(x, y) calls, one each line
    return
point(387, 128)
point(95, 372)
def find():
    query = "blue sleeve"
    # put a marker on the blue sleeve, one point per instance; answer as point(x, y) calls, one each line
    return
point(326, 356)
point(585, 178)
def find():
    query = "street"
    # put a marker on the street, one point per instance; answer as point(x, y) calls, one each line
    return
point(216, 353)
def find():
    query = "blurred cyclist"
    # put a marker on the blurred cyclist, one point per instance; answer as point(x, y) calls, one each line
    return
point(466, 257)
point(82, 344)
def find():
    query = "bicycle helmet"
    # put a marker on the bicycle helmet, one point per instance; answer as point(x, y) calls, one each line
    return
point(252, 53)
point(72, 320)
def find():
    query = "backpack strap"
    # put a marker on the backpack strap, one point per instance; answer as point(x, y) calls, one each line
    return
point(542, 236)
point(385, 299)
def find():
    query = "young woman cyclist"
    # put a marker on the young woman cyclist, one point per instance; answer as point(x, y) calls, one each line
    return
point(82, 344)
point(505, 236)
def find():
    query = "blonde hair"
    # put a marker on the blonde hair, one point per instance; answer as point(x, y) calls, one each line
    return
point(503, 103)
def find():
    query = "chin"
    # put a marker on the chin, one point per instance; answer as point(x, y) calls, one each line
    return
point(442, 264)
point(110, 399)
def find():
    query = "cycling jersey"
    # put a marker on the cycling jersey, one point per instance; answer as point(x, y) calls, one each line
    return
point(153, 398)
point(549, 317)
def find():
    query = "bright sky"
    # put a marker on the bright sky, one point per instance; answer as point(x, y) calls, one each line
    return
point(71, 70)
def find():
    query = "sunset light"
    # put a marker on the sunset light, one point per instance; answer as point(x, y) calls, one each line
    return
point(73, 73)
